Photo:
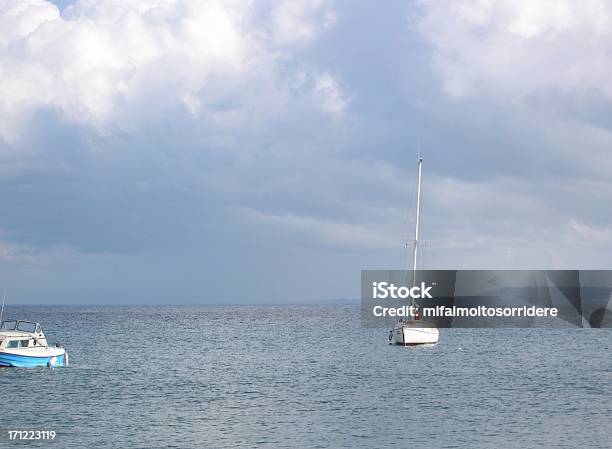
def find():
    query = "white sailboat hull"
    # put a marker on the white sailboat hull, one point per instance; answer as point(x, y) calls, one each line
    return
point(409, 335)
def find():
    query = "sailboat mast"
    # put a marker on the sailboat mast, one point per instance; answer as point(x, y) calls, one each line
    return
point(416, 228)
point(2, 310)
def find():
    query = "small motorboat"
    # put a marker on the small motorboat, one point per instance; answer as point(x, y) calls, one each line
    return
point(23, 344)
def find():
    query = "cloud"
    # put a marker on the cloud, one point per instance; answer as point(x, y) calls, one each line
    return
point(595, 235)
point(517, 223)
point(530, 86)
point(165, 147)
point(330, 95)
point(14, 254)
point(338, 235)
point(519, 49)
point(117, 64)
point(121, 122)
point(300, 21)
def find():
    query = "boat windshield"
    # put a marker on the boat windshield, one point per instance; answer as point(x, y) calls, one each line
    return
point(9, 325)
point(26, 326)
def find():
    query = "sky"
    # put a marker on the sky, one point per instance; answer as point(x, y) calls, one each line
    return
point(165, 151)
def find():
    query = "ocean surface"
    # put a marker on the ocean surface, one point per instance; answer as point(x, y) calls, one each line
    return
point(305, 377)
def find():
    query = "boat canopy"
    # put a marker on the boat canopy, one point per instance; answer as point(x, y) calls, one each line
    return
point(20, 325)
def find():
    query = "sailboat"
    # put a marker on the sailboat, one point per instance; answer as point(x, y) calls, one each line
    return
point(412, 330)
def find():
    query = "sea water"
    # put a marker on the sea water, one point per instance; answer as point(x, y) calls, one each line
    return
point(304, 376)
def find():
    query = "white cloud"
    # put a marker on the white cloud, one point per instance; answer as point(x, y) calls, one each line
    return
point(12, 253)
point(112, 63)
point(329, 94)
point(595, 235)
point(300, 20)
point(518, 48)
point(19, 19)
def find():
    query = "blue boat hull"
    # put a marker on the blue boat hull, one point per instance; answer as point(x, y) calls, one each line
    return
point(23, 361)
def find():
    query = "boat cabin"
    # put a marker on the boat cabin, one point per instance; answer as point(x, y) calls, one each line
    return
point(16, 334)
